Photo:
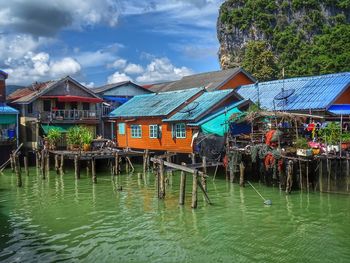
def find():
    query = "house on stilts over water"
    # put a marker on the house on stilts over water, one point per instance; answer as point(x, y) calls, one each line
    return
point(58, 104)
point(169, 121)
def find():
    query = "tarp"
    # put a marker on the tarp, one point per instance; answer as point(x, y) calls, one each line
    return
point(8, 118)
point(60, 127)
point(340, 109)
point(219, 125)
point(121, 100)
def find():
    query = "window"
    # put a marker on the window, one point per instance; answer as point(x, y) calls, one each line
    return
point(74, 105)
point(121, 128)
point(47, 105)
point(135, 131)
point(179, 130)
point(154, 131)
point(60, 105)
point(30, 108)
point(86, 106)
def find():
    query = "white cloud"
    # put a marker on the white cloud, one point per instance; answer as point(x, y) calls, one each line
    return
point(161, 69)
point(39, 67)
point(133, 69)
point(118, 77)
point(65, 66)
point(118, 64)
point(88, 85)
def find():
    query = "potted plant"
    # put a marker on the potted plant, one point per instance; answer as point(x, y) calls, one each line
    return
point(331, 136)
point(303, 147)
point(53, 136)
point(345, 140)
point(74, 139)
point(86, 136)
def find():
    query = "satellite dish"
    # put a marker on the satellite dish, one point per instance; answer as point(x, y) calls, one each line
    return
point(190, 107)
point(284, 94)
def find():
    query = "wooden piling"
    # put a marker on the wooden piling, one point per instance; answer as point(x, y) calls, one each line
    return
point(144, 162)
point(116, 164)
point(17, 170)
point(43, 166)
point(204, 179)
point(241, 174)
point(37, 159)
point(57, 167)
point(12, 162)
point(182, 188)
point(62, 164)
point(194, 190)
point(320, 176)
point(307, 176)
point(93, 171)
point(231, 168)
point(126, 166)
point(76, 167)
point(25, 162)
point(300, 176)
point(329, 175)
point(139, 176)
point(88, 167)
point(47, 156)
point(289, 182)
point(162, 180)
point(347, 172)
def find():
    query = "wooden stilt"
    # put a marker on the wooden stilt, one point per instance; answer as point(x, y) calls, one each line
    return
point(43, 166)
point(139, 176)
point(62, 165)
point(300, 176)
point(37, 159)
point(93, 171)
point(241, 174)
point(307, 176)
point(320, 176)
point(147, 160)
point(12, 162)
point(25, 162)
point(162, 180)
point(193, 158)
point(116, 164)
point(329, 175)
point(182, 188)
point(47, 156)
point(17, 170)
point(204, 192)
point(76, 167)
point(144, 162)
point(231, 165)
point(204, 179)
point(126, 165)
point(88, 167)
point(347, 172)
point(289, 182)
point(194, 190)
point(57, 167)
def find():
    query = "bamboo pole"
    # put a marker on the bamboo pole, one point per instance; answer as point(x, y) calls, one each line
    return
point(57, 166)
point(194, 190)
point(182, 188)
point(93, 171)
point(17, 170)
point(116, 164)
point(62, 164)
point(43, 166)
point(241, 174)
point(76, 167)
point(162, 180)
point(204, 179)
point(25, 162)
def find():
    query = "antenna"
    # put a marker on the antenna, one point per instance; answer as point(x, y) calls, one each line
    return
point(190, 107)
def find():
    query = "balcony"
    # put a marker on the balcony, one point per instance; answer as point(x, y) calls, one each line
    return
point(70, 116)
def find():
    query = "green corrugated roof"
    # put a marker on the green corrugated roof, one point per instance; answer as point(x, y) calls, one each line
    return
point(155, 104)
point(59, 127)
point(201, 105)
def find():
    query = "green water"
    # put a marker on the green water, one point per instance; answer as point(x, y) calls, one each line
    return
point(61, 219)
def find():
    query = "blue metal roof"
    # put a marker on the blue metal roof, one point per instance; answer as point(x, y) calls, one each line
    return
point(340, 109)
point(222, 110)
point(154, 104)
point(317, 92)
point(4, 109)
point(201, 105)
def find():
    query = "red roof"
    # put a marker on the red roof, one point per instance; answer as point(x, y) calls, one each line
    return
point(69, 98)
point(28, 90)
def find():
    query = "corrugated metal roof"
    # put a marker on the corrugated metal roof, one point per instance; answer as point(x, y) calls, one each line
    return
point(316, 92)
point(237, 105)
point(201, 105)
point(108, 87)
point(154, 104)
point(4, 109)
point(210, 80)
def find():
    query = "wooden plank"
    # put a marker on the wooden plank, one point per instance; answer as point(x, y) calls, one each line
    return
point(178, 167)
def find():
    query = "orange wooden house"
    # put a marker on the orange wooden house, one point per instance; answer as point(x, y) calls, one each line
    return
point(160, 121)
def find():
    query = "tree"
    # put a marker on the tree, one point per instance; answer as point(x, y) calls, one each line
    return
point(259, 60)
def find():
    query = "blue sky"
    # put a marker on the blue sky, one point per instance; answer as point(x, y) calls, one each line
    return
point(105, 41)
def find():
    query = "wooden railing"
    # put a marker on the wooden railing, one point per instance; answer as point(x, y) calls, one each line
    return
point(70, 115)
